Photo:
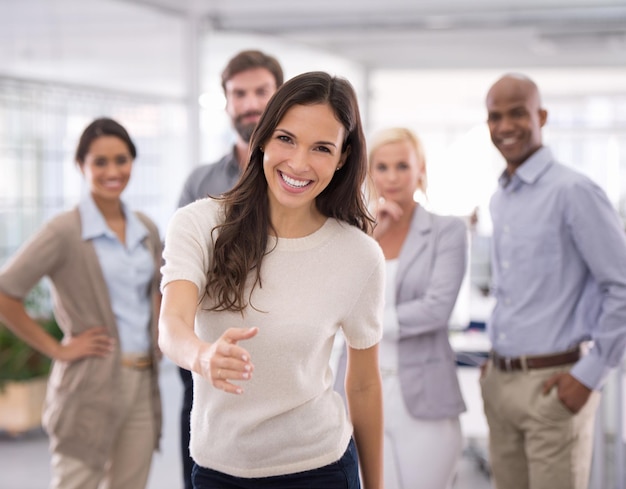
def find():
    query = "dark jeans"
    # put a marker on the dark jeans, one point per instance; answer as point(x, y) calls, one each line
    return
point(342, 474)
point(185, 414)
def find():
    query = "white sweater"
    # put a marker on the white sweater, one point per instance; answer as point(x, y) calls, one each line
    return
point(289, 419)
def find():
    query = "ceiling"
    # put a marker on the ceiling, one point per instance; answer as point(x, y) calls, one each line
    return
point(144, 45)
point(417, 34)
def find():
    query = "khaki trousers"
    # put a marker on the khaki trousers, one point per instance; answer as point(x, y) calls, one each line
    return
point(535, 442)
point(129, 462)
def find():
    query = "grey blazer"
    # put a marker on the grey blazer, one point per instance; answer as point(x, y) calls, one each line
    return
point(431, 267)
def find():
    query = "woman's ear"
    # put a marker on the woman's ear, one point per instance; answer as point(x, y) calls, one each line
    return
point(343, 158)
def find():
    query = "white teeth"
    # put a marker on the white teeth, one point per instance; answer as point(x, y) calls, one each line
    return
point(294, 183)
point(509, 140)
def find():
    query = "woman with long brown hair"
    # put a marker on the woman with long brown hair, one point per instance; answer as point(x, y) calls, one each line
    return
point(256, 285)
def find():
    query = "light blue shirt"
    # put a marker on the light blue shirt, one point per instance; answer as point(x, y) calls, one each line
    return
point(127, 269)
point(559, 267)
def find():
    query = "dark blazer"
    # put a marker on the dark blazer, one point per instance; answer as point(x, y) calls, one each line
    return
point(431, 267)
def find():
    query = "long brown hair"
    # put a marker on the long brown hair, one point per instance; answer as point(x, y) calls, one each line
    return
point(242, 238)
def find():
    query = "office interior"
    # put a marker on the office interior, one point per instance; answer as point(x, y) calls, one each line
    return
point(154, 65)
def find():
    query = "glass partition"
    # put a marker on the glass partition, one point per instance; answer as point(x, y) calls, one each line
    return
point(39, 128)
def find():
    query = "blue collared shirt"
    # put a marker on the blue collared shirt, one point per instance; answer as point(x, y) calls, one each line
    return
point(559, 267)
point(128, 270)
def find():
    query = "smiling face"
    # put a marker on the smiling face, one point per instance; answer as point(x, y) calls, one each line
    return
point(301, 157)
point(515, 119)
point(396, 171)
point(107, 167)
point(247, 94)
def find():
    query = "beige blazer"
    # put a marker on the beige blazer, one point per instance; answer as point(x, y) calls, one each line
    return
point(82, 410)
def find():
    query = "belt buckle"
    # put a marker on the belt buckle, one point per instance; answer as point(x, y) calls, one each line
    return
point(508, 367)
point(504, 364)
point(137, 363)
point(142, 364)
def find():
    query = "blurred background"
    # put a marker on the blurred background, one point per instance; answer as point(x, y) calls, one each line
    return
point(154, 65)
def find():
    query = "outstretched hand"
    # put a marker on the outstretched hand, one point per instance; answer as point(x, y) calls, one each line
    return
point(225, 360)
point(94, 342)
point(571, 392)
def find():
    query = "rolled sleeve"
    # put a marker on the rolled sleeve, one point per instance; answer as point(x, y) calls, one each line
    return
point(601, 240)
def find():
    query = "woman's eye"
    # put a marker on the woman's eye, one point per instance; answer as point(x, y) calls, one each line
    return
point(100, 162)
point(121, 160)
point(282, 137)
point(323, 149)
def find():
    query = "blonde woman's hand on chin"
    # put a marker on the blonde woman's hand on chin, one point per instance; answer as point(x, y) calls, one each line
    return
point(224, 360)
point(387, 212)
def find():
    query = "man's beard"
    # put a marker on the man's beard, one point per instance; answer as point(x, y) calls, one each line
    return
point(245, 130)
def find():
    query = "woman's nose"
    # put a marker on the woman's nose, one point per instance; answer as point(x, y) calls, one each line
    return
point(298, 161)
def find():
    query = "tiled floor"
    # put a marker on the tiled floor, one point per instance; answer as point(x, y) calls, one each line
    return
point(24, 460)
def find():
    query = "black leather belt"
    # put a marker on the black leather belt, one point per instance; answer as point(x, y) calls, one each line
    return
point(510, 364)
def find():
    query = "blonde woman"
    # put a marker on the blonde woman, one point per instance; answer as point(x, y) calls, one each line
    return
point(425, 262)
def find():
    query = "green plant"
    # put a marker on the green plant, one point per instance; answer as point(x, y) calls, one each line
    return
point(18, 361)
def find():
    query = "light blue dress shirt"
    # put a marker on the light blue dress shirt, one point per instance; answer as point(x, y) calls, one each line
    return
point(559, 267)
point(128, 270)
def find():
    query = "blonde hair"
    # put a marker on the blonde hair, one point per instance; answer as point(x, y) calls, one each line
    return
point(399, 135)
